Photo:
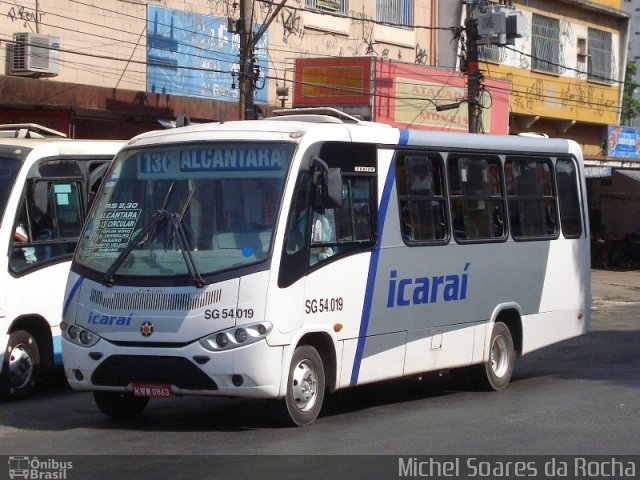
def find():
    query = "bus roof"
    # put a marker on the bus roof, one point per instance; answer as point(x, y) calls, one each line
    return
point(66, 146)
point(296, 126)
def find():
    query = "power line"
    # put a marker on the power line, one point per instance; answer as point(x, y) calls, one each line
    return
point(514, 90)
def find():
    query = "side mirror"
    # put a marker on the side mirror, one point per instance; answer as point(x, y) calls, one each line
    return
point(328, 185)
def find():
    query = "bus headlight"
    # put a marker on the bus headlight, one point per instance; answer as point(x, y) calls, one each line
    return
point(241, 335)
point(73, 332)
point(236, 336)
point(86, 337)
point(222, 340)
point(80, 336)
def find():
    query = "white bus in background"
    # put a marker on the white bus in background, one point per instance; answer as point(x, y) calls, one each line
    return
point(293, 256)
point(46, 182)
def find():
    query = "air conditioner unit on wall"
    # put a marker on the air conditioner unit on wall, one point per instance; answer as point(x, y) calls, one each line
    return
point(34, 55)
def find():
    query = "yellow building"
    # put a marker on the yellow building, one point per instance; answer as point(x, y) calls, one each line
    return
point(567, 70)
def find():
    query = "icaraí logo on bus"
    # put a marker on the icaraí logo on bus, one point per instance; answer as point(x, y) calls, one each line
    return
point(422, 290)
point(99, 319)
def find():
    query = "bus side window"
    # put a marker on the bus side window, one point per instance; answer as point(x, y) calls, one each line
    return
point(51, 217)
point(477, 200)
point(420, 186)
point(66, 205)
point(296, 240)
point(532, 199)
point(346, 228)
point(568, 198)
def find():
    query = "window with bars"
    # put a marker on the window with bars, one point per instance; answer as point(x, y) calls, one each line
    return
point(398, 12)
point(545, 50)
point(599, 67)
point(334, 6)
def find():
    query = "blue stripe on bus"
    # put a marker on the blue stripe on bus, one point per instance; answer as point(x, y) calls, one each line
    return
point(371, 277)
point(57, 350)
point(404, 136)
point(73, 291)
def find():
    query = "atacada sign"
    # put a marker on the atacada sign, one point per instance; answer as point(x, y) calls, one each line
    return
point(400, 94)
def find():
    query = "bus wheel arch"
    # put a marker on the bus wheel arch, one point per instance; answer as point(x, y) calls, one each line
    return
point(29, 349)
point(311, 373)
point(323, 343)
point(512, 318)
point(504, 345)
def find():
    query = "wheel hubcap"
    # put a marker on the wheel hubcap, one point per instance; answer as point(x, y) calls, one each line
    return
point(20, 367)
point(305, 385)
point(499, 357)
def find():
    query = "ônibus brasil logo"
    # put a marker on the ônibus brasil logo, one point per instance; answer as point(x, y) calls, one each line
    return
point(35, 468)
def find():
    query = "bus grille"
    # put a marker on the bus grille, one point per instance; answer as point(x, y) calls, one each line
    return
point(154, 301)
point(121, 370)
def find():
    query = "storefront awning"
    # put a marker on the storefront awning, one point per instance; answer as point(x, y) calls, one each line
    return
point(597, 172)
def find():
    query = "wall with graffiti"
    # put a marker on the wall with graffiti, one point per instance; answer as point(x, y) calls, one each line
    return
point(566, 91)
point(184, 48)
point(301, 31)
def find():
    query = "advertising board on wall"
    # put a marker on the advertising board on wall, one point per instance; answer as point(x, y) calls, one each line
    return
point(623, 142)
point(400, 94)
point(194, 55)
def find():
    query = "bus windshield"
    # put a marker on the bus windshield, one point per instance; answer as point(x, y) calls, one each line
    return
point(186, 209)
point(9, 168)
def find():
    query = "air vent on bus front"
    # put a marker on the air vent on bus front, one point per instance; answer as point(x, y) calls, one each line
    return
point(155, 301)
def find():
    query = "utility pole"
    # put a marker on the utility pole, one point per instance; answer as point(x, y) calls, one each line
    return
point(245, 74)
point(248, 40)
point(474, 76)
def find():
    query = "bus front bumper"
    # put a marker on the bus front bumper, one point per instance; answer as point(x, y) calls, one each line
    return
point(251, 371)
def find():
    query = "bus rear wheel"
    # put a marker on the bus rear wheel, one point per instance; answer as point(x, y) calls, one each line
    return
point(20, 364)
point(119, 405)
point(305, 387)
point(496, 373)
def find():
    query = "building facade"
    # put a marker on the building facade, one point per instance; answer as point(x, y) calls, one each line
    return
point(567, 69)
point(114, 68)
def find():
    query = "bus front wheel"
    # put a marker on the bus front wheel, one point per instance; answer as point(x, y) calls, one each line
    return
point(119, 405)
point(496, 373)
point(305, 387)
point(20, 363)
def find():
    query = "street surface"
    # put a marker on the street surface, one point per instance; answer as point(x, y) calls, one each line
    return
point(579, 397)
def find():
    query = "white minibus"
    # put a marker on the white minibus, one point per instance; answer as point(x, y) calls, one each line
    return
point(46, 182)
point(294, 256)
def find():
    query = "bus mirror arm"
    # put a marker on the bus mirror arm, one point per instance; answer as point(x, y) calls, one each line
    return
point(328, 185)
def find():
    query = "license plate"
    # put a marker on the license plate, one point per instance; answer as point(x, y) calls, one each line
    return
point(148, 390)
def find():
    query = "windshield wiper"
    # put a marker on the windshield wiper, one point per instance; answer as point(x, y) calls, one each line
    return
point(162, 209)
point(157, 217)
point(181, 216)
point(148, 232)
point(185, 248)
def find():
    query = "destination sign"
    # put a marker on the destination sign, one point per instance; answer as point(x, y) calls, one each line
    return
point(219, 158)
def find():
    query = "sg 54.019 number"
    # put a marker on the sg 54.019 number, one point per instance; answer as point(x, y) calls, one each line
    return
point(228, 313)
point(324, 305)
